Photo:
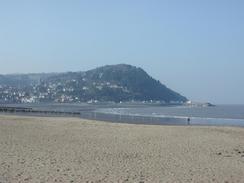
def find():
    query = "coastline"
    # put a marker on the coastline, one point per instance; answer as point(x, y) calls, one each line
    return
point(133, 119)
point(50, 149)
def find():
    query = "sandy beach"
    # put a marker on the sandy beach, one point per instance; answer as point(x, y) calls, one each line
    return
point(44, 149)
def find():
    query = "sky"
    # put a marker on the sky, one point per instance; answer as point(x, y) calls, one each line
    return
point(195, 47)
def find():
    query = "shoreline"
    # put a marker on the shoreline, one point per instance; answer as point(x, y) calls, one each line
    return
point(106, 113)
point(57, 149)
point(135, 119)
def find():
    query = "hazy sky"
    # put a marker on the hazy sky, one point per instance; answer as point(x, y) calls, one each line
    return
point(195, 47)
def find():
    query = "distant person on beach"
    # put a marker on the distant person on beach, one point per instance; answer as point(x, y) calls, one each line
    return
point(188, 121)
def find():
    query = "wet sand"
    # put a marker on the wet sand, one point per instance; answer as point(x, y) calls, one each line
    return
point(45, 149)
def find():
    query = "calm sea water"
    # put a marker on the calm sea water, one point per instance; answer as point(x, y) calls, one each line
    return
point(231, 115)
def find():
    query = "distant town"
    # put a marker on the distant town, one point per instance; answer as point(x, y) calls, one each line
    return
point(10, 94)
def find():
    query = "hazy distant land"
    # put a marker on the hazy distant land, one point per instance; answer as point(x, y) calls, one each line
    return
point(115, 83)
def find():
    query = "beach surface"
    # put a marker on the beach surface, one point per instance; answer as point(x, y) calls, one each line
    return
point(45, 149)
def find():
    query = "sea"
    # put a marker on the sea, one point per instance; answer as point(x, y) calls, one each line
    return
point(219, 115)
point(223, 115)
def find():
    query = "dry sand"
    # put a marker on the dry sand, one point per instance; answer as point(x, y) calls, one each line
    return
point(34, 149)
